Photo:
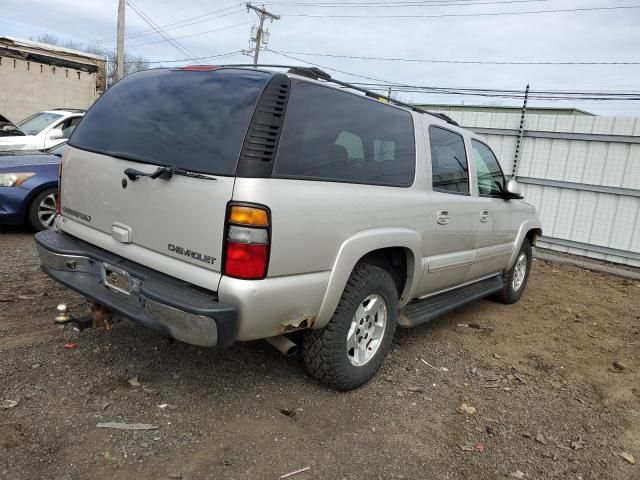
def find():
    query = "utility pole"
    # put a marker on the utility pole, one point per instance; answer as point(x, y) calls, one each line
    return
point(516, 158)
point(263, 15)
point(120, 47)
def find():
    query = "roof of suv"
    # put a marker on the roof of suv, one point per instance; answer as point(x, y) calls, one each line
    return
point(321, 77)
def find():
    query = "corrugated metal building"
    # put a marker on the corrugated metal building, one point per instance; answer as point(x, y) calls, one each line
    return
point(581, 171)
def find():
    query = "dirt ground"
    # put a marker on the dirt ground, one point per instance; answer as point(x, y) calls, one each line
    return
point(549, 403)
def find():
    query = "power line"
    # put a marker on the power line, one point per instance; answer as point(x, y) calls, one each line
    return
point(174, 25)
point(384, 85)
point(486, 14)
point(330, 68)
point(423, 3)
point(151, 23)
point(192, 34)
point(465, 62)
point(197, 59)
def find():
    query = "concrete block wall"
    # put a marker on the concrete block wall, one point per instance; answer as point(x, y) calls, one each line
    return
point(30, 87)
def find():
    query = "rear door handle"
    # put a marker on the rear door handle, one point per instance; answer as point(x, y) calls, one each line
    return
point(484, 216)
point(443, 217)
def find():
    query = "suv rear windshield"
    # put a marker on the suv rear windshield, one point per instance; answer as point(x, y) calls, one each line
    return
point(196, 120)
point(338, 136)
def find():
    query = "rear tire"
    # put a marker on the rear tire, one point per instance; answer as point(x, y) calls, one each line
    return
point(349, 350)
point(42, 210)
point(515, 280)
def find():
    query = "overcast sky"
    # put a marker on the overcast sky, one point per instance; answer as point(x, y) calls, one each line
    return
point(604, 35)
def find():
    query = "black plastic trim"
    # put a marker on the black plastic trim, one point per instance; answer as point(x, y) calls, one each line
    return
point(261, 142)
point(423, 311)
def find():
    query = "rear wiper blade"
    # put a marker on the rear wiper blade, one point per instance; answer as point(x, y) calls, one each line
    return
point(165, 173)
point(188, 173)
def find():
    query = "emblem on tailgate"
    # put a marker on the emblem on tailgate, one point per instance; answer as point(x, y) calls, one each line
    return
point(77, 214)
point(191, 253)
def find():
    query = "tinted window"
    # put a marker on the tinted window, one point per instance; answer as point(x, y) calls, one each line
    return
point(188, 119)
point(333, 135)
point(488, 171)
point(448, 161)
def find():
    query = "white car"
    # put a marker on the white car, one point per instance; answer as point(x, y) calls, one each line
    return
point(39, 131)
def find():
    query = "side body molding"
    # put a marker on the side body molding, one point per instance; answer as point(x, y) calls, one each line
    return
point(357, 246)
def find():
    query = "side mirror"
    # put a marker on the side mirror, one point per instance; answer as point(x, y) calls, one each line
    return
point(56, 134)
point(512, 189)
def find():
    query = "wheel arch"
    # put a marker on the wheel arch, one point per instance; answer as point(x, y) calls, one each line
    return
point(396, 250)
point(531, 230)
point(33, 193)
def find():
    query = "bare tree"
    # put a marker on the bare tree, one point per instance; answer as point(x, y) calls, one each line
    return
point(132, 63)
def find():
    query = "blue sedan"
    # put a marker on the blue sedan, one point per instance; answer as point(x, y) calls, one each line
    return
point(28, 185)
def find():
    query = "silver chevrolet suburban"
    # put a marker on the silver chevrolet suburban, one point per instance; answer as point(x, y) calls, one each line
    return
point(234, 203)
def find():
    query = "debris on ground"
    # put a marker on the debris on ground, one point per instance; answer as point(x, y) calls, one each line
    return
point(70, 345)
point(415, 389)
point(133, 381)
point(464, 408)
point(295, 472)
point(480, 447)
point(618, 365)
point(540, 439)
point(286, 412)
point(127, 426)
point(627, 457)
point(520, 378)
point(578, 444)
point(475, 326)
point(466, 448)
point(7, 404)
point(437, 369)
point(517, 474)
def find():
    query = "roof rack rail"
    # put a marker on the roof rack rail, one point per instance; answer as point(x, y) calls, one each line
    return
point(318, 74)
point(311, 72)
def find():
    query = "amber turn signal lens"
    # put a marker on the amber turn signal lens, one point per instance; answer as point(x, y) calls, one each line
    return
point(249, 216)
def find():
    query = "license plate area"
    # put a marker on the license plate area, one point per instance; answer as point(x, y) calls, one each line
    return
point(116, 279)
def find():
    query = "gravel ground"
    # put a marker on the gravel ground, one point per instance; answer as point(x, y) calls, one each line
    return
point(548, 401)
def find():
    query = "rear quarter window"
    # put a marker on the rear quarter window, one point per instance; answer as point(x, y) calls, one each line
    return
point(187, 119)
point(337, 136)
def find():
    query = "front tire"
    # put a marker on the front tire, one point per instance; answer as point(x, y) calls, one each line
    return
point(349, 350)
point(42, 211)
point(515, 280)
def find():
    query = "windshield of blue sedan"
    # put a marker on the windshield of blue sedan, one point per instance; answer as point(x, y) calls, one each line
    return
point(34, 124)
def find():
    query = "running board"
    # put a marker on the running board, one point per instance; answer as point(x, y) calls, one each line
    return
point(423, 311)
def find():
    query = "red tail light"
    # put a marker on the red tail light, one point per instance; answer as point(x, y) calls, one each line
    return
point(247, 242)
point(246, 261)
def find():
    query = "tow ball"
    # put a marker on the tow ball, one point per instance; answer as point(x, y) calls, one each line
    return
point(99, 316)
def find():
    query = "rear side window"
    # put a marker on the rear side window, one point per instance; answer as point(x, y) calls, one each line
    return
point(187, 119)
point(337, 136)
point(448, 161)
